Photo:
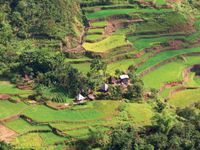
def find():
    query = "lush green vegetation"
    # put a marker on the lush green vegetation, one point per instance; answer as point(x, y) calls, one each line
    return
point(184, 98)
point(10, 109)
point(165, 74)
point(49, 19)
point(165, 55)
point(99, 24)
point(8, 88)
point(93, 37)
point(21, 126)
point(109, 43)
point(106, 13)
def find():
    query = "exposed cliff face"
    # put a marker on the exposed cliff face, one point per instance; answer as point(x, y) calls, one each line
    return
point(43, 18)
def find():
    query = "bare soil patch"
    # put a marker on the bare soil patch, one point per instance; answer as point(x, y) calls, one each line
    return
point(4, 96)
point(6, 134)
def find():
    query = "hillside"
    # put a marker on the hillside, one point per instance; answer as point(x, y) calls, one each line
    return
point(100, 74)
point(42, 20)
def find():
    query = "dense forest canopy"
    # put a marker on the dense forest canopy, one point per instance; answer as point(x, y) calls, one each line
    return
point(50, 18)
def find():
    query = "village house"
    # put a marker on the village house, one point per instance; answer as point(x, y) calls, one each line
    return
point(104, 88)
point(124, 79)
point(112, 80)
point(79, 98)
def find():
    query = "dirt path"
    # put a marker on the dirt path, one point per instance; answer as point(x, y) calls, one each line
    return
point(6, 134)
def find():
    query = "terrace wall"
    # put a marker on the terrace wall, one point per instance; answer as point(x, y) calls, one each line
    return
point(166, 62)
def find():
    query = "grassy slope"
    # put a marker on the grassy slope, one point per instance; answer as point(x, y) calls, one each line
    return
point(9, 109)
point(165, 55)
point(21, 126)
point(37, 140)
point(141, 113)
point(110, 42)
point(109, 12)
point(185, 98)
point(7, 88)
point(169, 73)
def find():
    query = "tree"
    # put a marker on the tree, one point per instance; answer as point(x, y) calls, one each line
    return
point(118, 72)
point(134, 92)
point(98, 66)
point(186, 113)
point(98, 137)
point(5, 146)
point(164, 122)
point(158, 140)
point(6, 33)
point(35, 62)
point(123, 137)
point(116, 92)
point(97, 73)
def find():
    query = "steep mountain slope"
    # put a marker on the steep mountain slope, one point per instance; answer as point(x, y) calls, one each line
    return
point(47, 19)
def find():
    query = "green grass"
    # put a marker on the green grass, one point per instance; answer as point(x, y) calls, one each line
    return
point(144, 42)
point(27, 141)
point(100, 109)
point(73, 126)
point(8, 109)
point(197, 80)
point(45, 114)
point(165, 55)
point(99, 24)
point(110, 12)
point(109, 43)
point(160, 2)
point(93, 37)
point(51, 92)
point(50, 138)
point(141, 113)
point(98, 30)
point(197, 24)
point(185, 98)
point(82, 59)
point(78, 132)
point(170, 72)
point(37, 140)
point(165, 92)
point(82, 67)
point(193, 81)
point(164, 74)
point(22, 126)
point(8, 88)
point(121, 65)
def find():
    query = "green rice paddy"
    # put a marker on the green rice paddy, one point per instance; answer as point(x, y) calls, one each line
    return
point(109, 12)
point(165, 55)
point(8, 88)
point(107, 44)
point(21, 126)
point(185, 98)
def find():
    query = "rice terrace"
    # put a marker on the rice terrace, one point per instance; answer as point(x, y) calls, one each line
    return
point(100, 74)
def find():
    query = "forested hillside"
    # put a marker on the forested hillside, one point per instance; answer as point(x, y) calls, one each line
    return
point(42, 19)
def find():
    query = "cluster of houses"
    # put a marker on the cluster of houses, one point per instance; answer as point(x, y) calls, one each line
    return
point(123, 80)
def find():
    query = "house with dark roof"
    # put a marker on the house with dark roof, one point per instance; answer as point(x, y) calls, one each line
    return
point(104, 88)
